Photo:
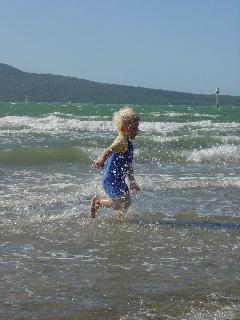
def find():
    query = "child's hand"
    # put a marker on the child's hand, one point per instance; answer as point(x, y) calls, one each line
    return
point(97, 164)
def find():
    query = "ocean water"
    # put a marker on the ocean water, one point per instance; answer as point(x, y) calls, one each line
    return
point(174, 255)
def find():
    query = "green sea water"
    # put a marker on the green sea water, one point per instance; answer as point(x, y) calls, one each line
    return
point(174, 255)
point(65, 133)
point(183, 113)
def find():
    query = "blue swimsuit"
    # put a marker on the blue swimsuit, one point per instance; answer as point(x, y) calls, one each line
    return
point(115, 170)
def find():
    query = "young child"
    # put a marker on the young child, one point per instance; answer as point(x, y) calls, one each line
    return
point(116, 162)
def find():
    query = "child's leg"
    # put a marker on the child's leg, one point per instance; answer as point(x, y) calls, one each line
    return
point(121, 203)
point(96, 203)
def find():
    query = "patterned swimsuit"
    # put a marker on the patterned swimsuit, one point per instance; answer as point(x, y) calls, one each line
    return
point(116, 168)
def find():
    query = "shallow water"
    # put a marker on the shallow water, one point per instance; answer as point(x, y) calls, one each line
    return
point(174, 255)
point(139, 268)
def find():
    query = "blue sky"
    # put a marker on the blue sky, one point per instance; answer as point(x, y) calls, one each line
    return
point(180, 45)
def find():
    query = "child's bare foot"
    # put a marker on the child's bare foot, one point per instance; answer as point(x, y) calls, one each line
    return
point(94, 206)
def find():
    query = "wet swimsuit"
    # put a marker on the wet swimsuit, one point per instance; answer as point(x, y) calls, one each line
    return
point(116, 168)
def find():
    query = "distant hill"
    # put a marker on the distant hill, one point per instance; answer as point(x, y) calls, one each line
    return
point(15, 85)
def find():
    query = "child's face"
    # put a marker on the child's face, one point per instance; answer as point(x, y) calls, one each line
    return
point(131, 130)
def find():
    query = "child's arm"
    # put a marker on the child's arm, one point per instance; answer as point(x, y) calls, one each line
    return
point(99, 163)
point(133, 185)
point(120, 145)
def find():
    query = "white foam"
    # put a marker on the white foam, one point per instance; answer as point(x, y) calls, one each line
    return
point(161, 127)
point(55, 123)
point(225, 153)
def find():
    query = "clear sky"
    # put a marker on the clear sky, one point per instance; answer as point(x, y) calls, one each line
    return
point(181, 45)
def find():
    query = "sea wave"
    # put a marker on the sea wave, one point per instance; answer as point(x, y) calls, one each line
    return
point(84, 154)
point(58, 122)
point(186, 141)
point(224, 153)
point(52, 123)
point(165, 182)
point(215, 154)
point(43, 156)
point(40, 140)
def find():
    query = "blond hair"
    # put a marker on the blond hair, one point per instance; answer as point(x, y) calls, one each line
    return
point(124, 117)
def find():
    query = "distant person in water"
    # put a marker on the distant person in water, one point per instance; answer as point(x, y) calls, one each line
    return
point(116, 161)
